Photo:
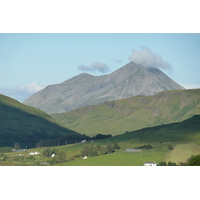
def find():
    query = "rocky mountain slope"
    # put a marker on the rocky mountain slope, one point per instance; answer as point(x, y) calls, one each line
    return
point(27, 126)
point(118, 116)
point(85, 89)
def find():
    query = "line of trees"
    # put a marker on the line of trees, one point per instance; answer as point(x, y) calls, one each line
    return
point(148, 146)
point(61, 141)
point(163, 163)
point(96, 150)
point(101, 136)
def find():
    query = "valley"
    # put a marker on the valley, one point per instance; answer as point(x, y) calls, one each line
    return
point(83, 121)
point(183, 137)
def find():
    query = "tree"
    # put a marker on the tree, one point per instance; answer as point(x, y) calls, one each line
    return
point(116, 146)
point(171, 163)
point(72, 158)
point(85, 151)
point(101, 136)
point(98, 147)
point(162, 163)
point(194, 161)
point(60, 157)
point(55, 151)
point(16, 146)
point(103, 151)
point(47, 152)
point(109, 147)
point(170, 147)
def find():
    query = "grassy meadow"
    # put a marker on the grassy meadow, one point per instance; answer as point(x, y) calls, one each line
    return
point(182, 152)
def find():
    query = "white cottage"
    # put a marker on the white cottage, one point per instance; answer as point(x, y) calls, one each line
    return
point(34, 153)
point(150, 164)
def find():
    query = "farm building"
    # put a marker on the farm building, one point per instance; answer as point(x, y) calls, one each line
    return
point(133, 150)
point(150, 164)
point(34, 153)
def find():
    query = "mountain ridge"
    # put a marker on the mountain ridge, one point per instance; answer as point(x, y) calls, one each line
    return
point(118, 116)
point(84, 89)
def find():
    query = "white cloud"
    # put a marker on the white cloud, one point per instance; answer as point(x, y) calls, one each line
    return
point(192, 86)
point(147, 58)
point(31, 87)
point(96, 66)
point(22, 92)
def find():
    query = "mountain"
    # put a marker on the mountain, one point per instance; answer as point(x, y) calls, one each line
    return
point(118, 116)
point(27, 126)
point(85, 89)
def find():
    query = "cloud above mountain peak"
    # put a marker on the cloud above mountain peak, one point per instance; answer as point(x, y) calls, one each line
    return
point(147, 58)
point(96, 66)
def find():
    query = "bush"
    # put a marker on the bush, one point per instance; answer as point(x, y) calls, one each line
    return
point(72, 158)
point(144, 147)
point(194, 161)
point(170, 147)
point(163, 163)
point(171, 163)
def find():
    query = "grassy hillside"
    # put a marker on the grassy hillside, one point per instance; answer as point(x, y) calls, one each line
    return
point(119, 116)
point(184, 137)
point(185, 134)
point(27, 125)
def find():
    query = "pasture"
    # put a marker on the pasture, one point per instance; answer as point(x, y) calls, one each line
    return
point(182, 152)
point(118, 159)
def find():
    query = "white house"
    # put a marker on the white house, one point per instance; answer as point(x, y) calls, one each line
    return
point(34, 153)
point(150, 164)
point(85, 157)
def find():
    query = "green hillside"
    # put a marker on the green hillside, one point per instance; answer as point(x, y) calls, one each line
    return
point(28, 126)
point(175, 134)
point(184, 137)
point(118, 116)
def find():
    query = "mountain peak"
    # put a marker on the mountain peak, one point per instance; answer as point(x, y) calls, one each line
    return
point(85, 89)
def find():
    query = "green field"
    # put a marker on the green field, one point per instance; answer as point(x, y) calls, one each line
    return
point(184, 137)
point(117, 159)
point(182, 152)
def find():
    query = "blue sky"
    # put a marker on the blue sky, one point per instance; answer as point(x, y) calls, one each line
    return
point(29, 62)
